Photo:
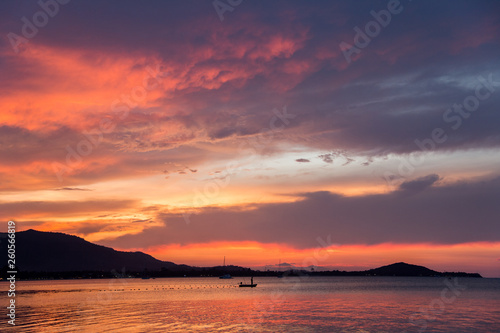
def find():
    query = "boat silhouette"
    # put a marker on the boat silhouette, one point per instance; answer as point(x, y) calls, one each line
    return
point(251, 285)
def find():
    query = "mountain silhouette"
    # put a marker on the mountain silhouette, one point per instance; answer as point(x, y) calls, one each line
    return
point(402, 269)
point(58, 252)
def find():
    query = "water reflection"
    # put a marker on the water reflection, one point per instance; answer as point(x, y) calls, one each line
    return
point(316, 304)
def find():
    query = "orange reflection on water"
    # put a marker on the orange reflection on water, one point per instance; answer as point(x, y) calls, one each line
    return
point(291, 304)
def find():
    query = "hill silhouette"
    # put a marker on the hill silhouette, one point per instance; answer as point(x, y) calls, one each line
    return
point(402, 269)
point(58, 252)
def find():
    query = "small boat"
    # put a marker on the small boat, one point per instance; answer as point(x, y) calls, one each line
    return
point(251, 285)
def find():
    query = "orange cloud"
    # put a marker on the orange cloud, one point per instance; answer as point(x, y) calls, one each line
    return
point(71, 87)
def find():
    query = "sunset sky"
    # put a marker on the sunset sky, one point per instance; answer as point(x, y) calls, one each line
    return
point(340, 134)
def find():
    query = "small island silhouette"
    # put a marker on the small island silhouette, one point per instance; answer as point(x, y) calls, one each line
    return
point(53, 255)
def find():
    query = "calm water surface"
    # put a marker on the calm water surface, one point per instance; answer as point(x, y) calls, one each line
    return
point(291, 304)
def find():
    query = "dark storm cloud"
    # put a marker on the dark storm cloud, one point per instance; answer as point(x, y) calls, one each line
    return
point(226, 77)
point(396, 91)
point(418, 213)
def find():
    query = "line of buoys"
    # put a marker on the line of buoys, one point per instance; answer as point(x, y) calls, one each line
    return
point(174, 287)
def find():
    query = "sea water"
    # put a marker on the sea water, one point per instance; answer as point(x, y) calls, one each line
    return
point(289, 304)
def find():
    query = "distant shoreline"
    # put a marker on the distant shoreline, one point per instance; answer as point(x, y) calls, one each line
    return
point(39, 257)
point(215, 273)
point(235, 278)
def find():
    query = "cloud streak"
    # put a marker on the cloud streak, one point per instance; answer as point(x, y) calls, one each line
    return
point(455, 213)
